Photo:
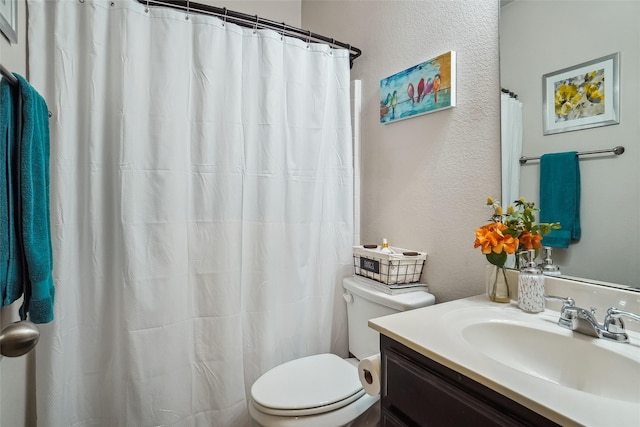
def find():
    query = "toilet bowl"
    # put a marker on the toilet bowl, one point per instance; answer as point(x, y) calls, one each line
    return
point(324, 390)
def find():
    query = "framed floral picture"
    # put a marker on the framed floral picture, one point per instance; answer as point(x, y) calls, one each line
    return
point(9, 19)
point(583, 96)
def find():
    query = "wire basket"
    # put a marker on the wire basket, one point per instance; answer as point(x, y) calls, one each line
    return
point(403, 266)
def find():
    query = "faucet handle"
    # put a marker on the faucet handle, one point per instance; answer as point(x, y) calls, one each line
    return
point(568, 315)
point(613, 320)
point(566, 301)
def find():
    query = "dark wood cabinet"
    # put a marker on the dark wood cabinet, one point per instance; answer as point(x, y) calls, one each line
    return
point(417, 391)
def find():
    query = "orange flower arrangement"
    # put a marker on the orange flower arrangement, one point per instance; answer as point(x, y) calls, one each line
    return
point(492, 239)
point(512, 232)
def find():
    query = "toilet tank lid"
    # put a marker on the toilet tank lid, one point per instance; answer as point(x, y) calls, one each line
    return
point(401, 302)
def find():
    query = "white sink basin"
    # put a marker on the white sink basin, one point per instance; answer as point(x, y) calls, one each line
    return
point(568, 360)
point(570, 378)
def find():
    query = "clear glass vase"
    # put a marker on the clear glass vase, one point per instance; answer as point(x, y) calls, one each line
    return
point(497, 284)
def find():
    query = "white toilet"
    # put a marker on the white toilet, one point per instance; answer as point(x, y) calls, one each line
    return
point(324, 390)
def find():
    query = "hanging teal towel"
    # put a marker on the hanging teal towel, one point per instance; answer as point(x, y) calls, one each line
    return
point(560, 197)
point(11, 276)
point(34, 193)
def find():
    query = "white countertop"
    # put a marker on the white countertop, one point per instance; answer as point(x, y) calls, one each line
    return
point(429, 331)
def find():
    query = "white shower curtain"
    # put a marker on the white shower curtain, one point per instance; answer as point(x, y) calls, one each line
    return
point(201, 208)
point(511, 147)
point(511, 135)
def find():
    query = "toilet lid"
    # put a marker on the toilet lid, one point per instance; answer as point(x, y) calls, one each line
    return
point(313, 384)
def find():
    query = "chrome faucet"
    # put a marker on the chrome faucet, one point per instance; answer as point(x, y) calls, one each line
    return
point(584, 321)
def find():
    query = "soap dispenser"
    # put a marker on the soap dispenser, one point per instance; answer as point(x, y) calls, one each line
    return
point(531, 286)
point(385, 247)
point(548, 267)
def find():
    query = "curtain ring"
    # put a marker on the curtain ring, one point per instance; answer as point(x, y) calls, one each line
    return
point(187, 14)
point(146, 9)
point(308, 38)
point(284, 30)
point(224, 17)
point(255, 27)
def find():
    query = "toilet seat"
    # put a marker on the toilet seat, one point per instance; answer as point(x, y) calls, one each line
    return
point(307, 386)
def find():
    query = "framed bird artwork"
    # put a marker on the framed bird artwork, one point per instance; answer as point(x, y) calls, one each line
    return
point(424, 88)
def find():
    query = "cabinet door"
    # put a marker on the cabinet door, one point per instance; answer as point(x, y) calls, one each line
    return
point(419, 397)
point(390, 420)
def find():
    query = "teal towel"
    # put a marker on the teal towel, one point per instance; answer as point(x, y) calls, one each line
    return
point(560, 197)
point(10, 248)
point(36, 233)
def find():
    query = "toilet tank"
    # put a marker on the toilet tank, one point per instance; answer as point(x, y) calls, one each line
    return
point(365, 302)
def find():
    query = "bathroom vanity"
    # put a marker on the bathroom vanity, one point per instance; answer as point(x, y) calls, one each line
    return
point(475, 362)
point(419, 391)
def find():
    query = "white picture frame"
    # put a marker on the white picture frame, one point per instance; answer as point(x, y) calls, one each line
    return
point(567, 105)
point(421, 89)
point(9, 20)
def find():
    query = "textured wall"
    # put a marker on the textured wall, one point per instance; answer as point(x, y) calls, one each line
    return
point(425, 180)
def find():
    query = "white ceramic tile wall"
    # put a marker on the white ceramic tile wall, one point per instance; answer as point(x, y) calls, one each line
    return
point(356, 111)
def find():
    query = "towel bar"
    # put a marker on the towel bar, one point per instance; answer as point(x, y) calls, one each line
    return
point(615, 150)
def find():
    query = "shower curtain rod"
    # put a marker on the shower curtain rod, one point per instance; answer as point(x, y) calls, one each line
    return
point(508, 92)
point(615, 150)
point(253, 21)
